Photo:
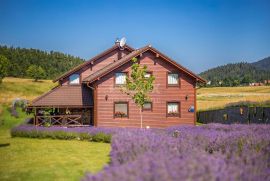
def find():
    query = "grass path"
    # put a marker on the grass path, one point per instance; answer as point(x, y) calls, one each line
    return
point(46, 159)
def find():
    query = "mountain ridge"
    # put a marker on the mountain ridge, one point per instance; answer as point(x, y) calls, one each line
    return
point(234, 74)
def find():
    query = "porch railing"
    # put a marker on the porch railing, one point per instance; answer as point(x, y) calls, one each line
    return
point(62, 120)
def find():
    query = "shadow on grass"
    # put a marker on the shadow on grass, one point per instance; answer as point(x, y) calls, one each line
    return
point(4, 145)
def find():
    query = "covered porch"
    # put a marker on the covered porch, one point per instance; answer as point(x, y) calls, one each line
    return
point(64, 106)
point(62, 116)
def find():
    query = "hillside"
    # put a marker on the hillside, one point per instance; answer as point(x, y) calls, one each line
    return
point(54, 63)
point(235, 74)
point(12, 88)
point(263, 64)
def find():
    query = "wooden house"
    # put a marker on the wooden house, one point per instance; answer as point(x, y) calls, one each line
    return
point(90, 94)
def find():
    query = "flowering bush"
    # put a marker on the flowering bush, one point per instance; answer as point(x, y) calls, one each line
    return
point(209, 152)
point(80, 133)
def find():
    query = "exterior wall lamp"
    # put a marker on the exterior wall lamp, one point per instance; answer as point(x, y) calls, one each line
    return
point(186, 97)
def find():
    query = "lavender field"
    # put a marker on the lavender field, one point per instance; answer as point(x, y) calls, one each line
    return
point(209, 152)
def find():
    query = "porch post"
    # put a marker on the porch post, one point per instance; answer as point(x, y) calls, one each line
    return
point(35, 117)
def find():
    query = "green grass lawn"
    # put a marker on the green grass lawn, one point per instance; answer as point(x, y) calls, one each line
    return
point(36, 159)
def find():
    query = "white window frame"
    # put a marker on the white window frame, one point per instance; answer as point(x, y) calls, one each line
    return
point(173, 79)
point(148, 75)
point(173, 109)
point(120, 80)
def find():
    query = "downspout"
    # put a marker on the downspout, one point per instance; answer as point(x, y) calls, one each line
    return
point(94, 102)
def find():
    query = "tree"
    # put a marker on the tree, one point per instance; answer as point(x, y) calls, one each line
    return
point(138, 86)
point(4, 63)
point(246, 79)
point(35, 72)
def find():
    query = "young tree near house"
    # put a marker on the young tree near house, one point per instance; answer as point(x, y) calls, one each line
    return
point(3, 67)
point(138, 86)
point(35, 72)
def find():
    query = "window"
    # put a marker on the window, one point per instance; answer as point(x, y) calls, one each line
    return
point(147, 106)
point(173, 109)
point(120, 78)
point(173, 79)
point(74, 79)
point(120, 109)
point(147, 74)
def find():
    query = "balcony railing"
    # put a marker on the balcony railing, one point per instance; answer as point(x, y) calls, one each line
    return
point(61, 120)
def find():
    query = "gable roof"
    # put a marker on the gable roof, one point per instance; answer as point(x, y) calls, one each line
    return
point(65, 96)
point(107, 69)
point(114, 47)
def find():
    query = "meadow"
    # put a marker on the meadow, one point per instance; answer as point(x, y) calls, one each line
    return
point(12, 88)
point(220, 97)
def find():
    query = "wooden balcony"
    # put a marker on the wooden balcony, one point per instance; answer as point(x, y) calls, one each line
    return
point(61, 120)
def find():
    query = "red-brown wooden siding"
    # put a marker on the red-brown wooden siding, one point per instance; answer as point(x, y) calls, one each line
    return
point(159, 97)
point(98, 64)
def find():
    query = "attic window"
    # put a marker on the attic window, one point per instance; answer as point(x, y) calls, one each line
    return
point(120, 78)
point(173, 79)
point(148, 74)
point(74, 79)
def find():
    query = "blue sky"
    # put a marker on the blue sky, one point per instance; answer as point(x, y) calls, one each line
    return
point(198, 34)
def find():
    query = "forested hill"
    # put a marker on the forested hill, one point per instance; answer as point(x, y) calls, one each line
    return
point(54, 63)
point(238, 73)
point(263, 64)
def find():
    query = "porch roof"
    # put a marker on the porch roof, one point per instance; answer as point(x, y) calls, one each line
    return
point(65, 95)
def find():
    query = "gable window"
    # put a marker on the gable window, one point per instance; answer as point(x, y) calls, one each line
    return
point(173, 79)
point(120, 109)
point(120, 78)
point(147, 106)
point(74, 79)
point(173, 109)
point(148, 74)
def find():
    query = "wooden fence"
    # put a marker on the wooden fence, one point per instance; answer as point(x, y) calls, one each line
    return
point(242, 115)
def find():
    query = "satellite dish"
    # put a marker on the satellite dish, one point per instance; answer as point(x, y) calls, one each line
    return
point(122, 42)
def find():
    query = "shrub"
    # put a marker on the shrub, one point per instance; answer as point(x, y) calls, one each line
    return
point(101, 137)
point(89, 134)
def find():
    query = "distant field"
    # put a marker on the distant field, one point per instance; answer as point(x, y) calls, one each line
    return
point(218, 97)
point(12, 88)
